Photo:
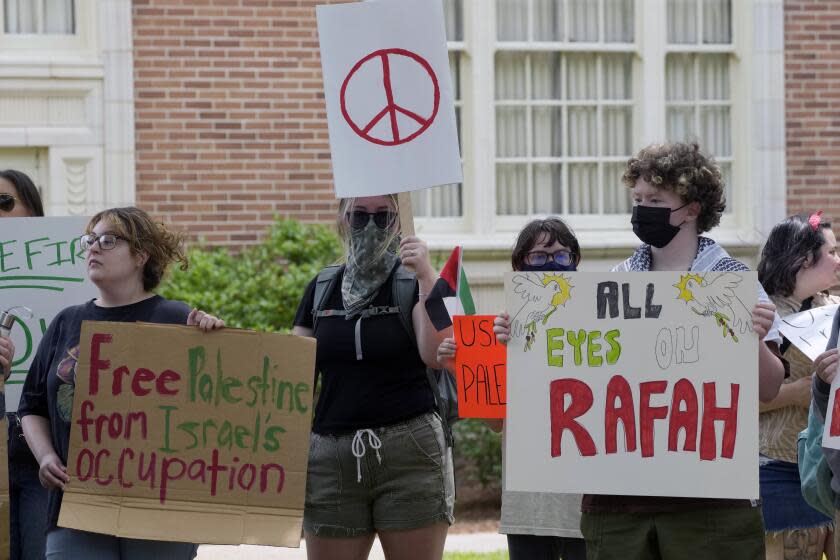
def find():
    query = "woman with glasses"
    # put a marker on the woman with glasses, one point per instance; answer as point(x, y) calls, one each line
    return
point(538, 526)
point(19, 198)
point(127, 255)
point(378, 458)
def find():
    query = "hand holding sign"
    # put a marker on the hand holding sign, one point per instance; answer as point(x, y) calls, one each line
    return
point(480, 368)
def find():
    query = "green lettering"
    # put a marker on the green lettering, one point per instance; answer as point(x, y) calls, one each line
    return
point(195, 357)
point(554, 340)
point(30, 253)
point(592, 347)
point(4, 254)
point(166, 417)
point(577, 340)
point(614, 353)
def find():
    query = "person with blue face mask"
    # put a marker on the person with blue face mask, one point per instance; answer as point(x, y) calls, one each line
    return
point(539, 526)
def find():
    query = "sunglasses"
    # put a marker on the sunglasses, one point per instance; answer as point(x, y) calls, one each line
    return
point(107, 241)
point(359, 219)
point(7, 202)
point(539, 258)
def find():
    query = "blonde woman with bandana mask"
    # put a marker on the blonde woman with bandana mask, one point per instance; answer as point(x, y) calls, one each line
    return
point(379, 463)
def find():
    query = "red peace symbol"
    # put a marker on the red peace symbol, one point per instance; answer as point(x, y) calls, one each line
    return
point(392, 108)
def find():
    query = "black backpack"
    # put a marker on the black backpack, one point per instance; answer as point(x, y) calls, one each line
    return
point(403, 288)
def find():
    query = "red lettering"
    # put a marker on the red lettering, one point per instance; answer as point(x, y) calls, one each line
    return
point(102, 453)
point(142, 375)
point(252, 476)
point(648, 414)
point(834, 429)
point(85, 421)
point(729, 416)
point(85, 455)
point(166, 475)
point(619, 388)
point(264, 477)
point(121, 468)
point(563, 418)
point(116, 384)
point(96, 363)
point(167, 377)
point(684, 394)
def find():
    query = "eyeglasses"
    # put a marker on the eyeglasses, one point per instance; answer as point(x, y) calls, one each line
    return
point(539, 258)
point(359, 219)
point(107, 241)
point(7, 202)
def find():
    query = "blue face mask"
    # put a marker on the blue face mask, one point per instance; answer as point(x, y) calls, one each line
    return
point(549, 266)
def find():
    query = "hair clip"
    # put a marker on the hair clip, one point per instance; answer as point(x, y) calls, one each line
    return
point(815, 220)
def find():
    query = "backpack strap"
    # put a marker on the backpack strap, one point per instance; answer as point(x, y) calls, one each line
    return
point(324, 286)
point(403, 289)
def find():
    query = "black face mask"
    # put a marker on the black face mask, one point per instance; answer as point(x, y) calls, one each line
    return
point(653, 225)
point(549, 266)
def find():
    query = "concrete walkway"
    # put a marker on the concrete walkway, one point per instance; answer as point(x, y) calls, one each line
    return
point(465, 542)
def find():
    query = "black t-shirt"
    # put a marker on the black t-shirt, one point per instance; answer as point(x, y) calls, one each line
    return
point(50, 384)
point(388, 385)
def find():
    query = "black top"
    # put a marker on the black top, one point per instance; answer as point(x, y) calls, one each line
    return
point(50, 384)
point(388, 385)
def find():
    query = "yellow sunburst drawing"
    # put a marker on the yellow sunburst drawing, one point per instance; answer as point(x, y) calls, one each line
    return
point(685, 292)
point(563, 294)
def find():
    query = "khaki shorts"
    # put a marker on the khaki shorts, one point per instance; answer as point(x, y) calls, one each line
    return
point(409, 484)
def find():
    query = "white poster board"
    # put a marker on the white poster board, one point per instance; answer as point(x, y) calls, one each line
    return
point(389, 97)
point(809, 330)
point(831, 430)
point(632, 383)
point(42, 267)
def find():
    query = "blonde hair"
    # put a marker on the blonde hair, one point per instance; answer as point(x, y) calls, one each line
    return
point(345, 206)
point(145, 235)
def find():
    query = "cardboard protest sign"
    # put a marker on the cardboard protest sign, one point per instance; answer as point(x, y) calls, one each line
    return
point(480, 368)
point(5, 504)
point(809, 330)
point(181, 435)
point(42, 267)
point(388, 91)
point(831, 430)
point(631, 383)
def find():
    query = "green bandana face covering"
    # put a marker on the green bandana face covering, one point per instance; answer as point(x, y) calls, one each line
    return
point(369, 264)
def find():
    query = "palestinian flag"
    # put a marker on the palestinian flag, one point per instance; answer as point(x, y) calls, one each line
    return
point(450, 294)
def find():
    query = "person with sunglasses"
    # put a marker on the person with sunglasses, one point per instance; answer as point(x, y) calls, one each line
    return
point(379, 462)
point(127, 254)
point(19, 198)
point(539, 526)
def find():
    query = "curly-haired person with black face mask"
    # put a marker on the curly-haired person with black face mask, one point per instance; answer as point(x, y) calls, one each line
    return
point(678, 194)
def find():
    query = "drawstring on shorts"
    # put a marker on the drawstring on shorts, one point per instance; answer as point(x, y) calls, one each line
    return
point(359, 448)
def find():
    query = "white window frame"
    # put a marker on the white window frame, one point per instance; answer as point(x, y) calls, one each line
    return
point(757, 122)
point(56, 46)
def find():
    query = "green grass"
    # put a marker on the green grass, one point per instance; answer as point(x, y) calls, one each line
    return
point(498, 555)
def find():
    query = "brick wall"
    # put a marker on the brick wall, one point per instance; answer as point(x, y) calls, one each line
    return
point(230, 118)
point(812, 81)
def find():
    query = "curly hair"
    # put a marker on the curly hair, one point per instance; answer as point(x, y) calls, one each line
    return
point(145, 235)
point(789, 246)
point(683, 169)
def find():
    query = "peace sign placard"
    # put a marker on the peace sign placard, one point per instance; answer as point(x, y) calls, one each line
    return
point(389, 97)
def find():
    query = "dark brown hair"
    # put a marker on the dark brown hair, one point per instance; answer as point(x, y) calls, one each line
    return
point(555, 228)
point(683, 169)
point(145, 235)
point(26, 190)
point(786, 251)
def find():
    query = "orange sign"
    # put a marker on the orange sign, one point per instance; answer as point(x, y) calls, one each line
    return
point(480, 368)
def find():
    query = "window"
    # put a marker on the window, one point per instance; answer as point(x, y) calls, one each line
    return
point(41, 17)
point(553, 97)
point(446, 201)
point(698, 90)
